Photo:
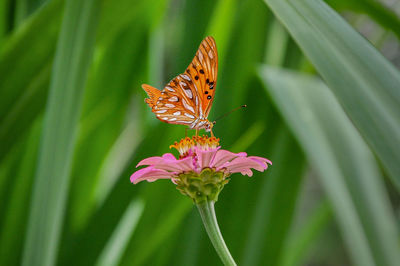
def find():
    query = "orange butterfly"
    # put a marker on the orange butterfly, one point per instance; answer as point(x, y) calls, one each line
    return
point(187, 99)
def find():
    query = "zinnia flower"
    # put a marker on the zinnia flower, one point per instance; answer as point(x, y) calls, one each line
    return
point(202, 170)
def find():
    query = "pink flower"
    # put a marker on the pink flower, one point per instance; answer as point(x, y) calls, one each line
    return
point(197, 154)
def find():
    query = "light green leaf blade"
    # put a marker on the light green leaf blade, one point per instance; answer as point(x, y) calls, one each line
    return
point(72, 60)
point(276, 201)
point(221, 24)
point(345, 165)
point(15, 214)
point(115, 247)
point(383, 14)
point(364, 82)
point(23, 92)
point(299, 242)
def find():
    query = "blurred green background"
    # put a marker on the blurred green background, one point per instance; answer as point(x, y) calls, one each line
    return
point(322, 87)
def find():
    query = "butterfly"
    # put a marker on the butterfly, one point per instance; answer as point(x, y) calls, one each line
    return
point(187, 98)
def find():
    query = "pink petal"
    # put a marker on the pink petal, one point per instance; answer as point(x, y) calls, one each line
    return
point(265, 160)
point(243, 164)
point(155, 159)
point(205, 157)
point(150, 174)
point(247, 172)
point(261, 161)
point(169, 156)
point(224, 156)
point(181, 165)
point(149, 161)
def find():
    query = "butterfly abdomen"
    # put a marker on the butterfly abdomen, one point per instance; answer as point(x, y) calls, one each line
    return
point(153, 94)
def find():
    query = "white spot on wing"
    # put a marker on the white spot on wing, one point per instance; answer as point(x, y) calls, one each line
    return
point(210, 54)
point(177, 113)
point(188, 93)
point(185, 77)
point(173, 99)
point(189, 115)
point(172, 119)
point(169, 105)
point(164, 118)
point(200, 56)
point(194, 123)
point(170, 89)
point(187, 106)
point(161, 111)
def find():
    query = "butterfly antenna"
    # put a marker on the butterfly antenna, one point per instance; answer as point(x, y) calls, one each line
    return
point(231, 111)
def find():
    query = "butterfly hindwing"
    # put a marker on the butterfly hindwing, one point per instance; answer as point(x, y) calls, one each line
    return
point(169, 106)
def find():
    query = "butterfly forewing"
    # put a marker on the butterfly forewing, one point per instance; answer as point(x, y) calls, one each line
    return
point(189, 96)
point(203, 72)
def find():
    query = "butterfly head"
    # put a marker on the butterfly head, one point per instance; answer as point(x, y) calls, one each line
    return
point(209, 125)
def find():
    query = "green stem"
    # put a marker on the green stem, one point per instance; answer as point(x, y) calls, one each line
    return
point(207, 213)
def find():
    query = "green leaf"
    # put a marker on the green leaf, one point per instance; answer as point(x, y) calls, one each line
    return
point(26, 56)
point(345, 165)
point(233, 78)
point(16, 215)
point(221, 25)
point(23, 92)
point(299, 242)
point(275, 204)
point(115, 247)
point(151, 238)
point(72, 60)
point(364, 82)
point(376, 10)
point(4, 7)
point(104, 116)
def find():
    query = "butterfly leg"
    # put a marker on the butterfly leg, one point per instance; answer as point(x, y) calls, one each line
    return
point(197, 132)
point(212, 134)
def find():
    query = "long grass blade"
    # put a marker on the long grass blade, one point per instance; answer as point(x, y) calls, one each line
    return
point(73, 57)
point(15, 215)
point(299, 242)
point(23, 92)
point(345, 165)
point(276, 200)
point(383, 14)
point(115, 247)
point(365, 83)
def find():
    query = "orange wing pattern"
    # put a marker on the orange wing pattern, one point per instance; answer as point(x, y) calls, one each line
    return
point(187, 99)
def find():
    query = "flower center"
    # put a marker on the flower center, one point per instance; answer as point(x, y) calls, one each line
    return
point(185, 146)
